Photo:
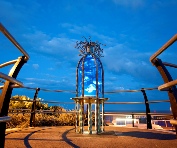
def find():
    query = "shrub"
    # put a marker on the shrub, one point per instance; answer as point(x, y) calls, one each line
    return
point(21, 119)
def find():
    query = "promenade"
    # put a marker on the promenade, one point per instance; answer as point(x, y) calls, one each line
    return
point(113, 137)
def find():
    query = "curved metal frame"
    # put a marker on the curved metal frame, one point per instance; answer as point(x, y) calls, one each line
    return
point(12, 39)
point(170, 84)
point(96, 61)
point(148, 116)
point(10, 80)
point(6, 95)
point(163, 48)
point(33, 109)
point(167, 86)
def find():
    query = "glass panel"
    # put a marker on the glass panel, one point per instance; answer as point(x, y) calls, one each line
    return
point(80, 79)
point(120, 122)
point(168, 124)
point(90, 77)
point(161, 123)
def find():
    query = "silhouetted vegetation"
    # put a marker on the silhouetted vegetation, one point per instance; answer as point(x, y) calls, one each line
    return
point(21, 118)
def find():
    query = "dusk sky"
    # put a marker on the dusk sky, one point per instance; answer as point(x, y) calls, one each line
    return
point(131, 29)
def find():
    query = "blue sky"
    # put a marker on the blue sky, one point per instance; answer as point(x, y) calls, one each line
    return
point(131, 29)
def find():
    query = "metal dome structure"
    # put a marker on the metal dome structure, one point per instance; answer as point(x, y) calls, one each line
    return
point(89, 87)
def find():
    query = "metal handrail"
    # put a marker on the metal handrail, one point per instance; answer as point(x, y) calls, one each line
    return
point(153, 101)
point(106, 113)
point(158, 101)
point(137, 90)
point(20, 109)
point(8, 78)
point(165, 86)
point(11, 38)
point(124, 103)
point(163, 48)
point(42, 101)
point(5, 119)
point(136, 113)
point(8, 63)
point(22, 100)
point(170, 65)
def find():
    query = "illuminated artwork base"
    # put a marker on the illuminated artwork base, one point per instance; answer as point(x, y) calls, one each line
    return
point(90, 114)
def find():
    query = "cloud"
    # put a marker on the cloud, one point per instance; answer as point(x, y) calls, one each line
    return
point(18, 12)
point(56, 46)
point(35, 66)
point(51, 68)
point(88, 30)
point(130, 3)
point(49, 83)
point(120, 59)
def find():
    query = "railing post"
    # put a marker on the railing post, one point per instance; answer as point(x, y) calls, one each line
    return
point(133, 125)
point(76, 109)
point(172, 92)
point(148, 116)
point(32, 118)
point(6, 95)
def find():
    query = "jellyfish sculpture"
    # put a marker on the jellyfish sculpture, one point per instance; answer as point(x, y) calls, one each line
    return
point(89, 87)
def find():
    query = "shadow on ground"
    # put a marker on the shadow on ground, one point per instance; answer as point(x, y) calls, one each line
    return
point(68, 141)
point(26, 139)
point(147, 135)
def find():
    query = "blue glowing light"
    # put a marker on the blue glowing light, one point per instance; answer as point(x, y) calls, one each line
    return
point(90, 76)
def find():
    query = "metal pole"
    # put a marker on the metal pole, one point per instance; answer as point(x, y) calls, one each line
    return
point(99, 118)
point(82, 100)
point(81, 124)
point(97, 95)
point(6, 95)
point(148, 116)
point(133, 125)
point(32, 118)
point(12, 39)
point(95, 116)
point(90, 117)
point(102, 116)
point(102, 78)
point(172, 93)
point(83, 76)
point(76, 130)
point(77, 75)
point(163, 48)
point(77, 82)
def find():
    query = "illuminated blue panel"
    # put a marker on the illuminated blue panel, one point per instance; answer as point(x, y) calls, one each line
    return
point(80, 79)
point(90, 77)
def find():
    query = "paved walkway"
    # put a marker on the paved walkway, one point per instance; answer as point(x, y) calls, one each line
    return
point(65, 137)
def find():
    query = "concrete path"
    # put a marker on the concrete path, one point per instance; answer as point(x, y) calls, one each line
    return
point(65, 137)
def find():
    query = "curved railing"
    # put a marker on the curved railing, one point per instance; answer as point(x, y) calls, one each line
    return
point(169, 84)
point(148, 114)
point(10, 81)
point(12, 39)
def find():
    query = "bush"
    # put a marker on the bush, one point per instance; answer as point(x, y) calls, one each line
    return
point(21, 119)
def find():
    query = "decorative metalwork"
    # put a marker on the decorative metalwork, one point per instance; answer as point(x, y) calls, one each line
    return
point(10, 81)
point(89, 46)
point(90, 86)
point(161, 67)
